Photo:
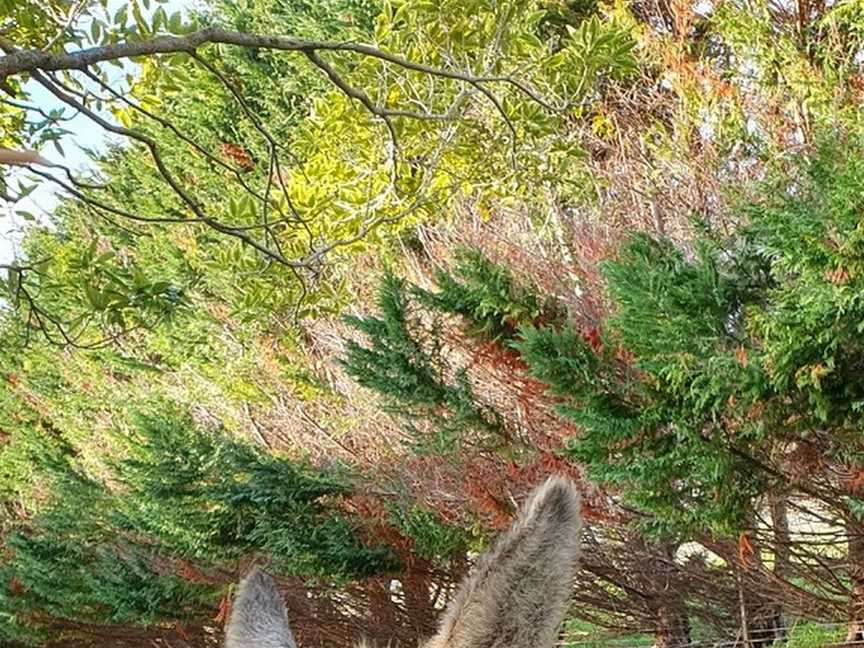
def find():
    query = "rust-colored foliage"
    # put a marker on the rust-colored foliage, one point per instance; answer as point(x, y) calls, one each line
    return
point(857, 481)
point(838, 277)
point(16, 587)
point(224, 612)
point(190, 573)
point(592, 337)
point(745, 550)
point(238, 154)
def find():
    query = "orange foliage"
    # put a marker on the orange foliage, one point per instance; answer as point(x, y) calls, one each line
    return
point(191, 574)
point(745, 550)
point(224, 612)
point(238, 154)
point(837, 277)
point(592, 338)
point(857, 481)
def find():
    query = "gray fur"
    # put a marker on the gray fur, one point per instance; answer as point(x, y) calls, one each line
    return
point(515, 597)
point(258, 616)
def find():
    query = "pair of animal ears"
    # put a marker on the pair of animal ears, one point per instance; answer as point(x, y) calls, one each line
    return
point(515, 597)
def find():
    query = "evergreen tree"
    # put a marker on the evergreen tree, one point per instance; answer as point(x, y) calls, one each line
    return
point(74, 562)
point(492, 304)
point(654, 425)
point(405, 362)
point(115, 549)
point(214, 499)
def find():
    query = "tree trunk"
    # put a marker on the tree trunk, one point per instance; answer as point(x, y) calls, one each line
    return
point(762, 623)
point(855, 533)
point(673, 625)
point(419, 606)
point(743, 608)
point(672, 620)
point(773, 627)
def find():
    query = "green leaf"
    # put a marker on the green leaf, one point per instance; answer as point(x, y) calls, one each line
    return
point(140, 22)
point(93, 296)
point(95, 31)
point(121, 16)
point(175, 23)
point(25, 190)
point(160, 19)
point(104, 257)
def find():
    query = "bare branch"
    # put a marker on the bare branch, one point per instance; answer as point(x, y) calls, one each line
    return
point(55, 331)
point(514, 136)
point(259, 126)
point(74, 12)
point(27, 107)
point(418, 202)
point(41, 66)
point(97, 204)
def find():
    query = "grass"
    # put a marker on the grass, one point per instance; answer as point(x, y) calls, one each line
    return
point(813, 635)
point(804, 634)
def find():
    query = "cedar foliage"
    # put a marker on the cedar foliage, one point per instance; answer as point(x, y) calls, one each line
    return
point(719, 362)
point(405, 362)
point(708, 351)
point(726, 374)
point(214, 499)
point(492, 304)
point(146, 542)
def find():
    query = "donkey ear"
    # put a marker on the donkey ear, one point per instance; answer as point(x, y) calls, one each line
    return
point(516, 594)
point(258, 616)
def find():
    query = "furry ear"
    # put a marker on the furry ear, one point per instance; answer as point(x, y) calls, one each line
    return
point(516, 595)
point(258, 616)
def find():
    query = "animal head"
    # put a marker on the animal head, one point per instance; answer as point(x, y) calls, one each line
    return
point(514, 597)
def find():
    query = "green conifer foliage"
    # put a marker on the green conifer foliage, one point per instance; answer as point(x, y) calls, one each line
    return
point(111, 549)
point(432, 538)
point(811, 316)
point(213, 499)
point(739, 350)
point(74, 562)
point(491, 302)
point(405, 363)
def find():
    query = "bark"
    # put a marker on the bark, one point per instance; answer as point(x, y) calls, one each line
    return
point(19, 61)
point(743, 610)
point(774, 626)
point(855, 533)
point(762, 622)
point(419, 607)
point(673, 625)
point(782, 537)
point(671, 617)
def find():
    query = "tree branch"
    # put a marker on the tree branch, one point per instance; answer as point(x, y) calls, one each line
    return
point(21, 61)
point(363, 98)
point(151, 145)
